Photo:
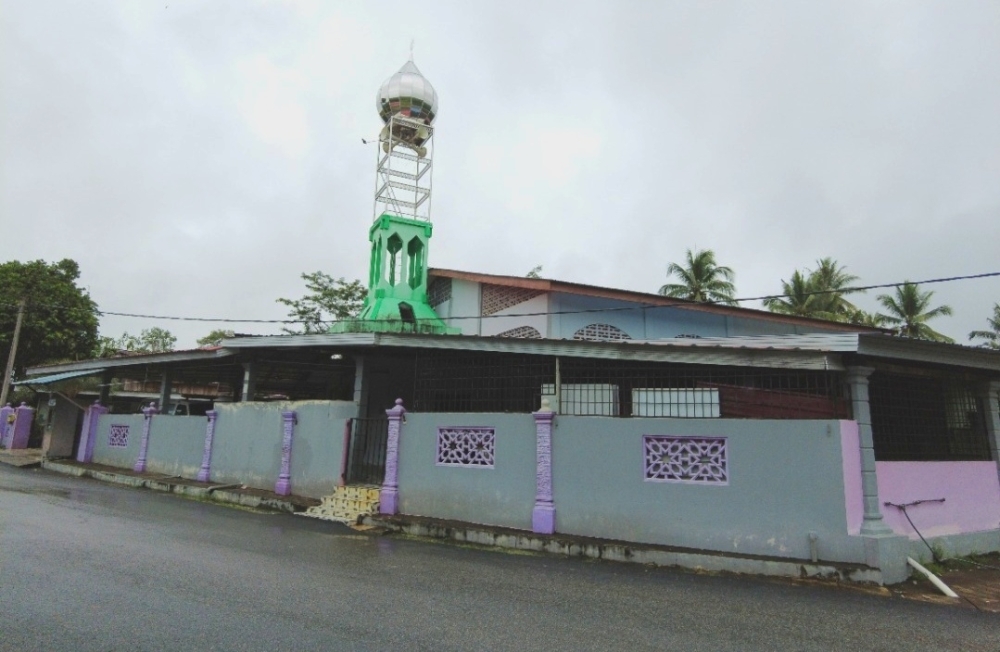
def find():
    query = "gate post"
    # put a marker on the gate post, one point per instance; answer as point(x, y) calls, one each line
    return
point(88, 432)
point(543, 516)
point(389, 496)
point(283, 486)
point(147, 413)
point(20, 431)
point(6, 424)
point(205, 472)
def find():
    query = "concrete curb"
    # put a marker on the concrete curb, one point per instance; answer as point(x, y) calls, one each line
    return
point(223, 493)
point(624, 551)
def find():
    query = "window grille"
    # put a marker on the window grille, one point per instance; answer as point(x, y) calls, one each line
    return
point(497, 382)
point(926, 418)
point(439, 291)
point(522, 332)
point(601, 333)
point(500, 297)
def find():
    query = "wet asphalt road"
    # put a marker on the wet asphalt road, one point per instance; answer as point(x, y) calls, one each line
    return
point(88, 566)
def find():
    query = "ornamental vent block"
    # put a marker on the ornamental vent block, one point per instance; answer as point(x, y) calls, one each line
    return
point(467, 447)
point(690, 460)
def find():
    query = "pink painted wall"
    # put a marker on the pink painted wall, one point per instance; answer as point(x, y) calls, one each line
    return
point(971, 491)
point(851, 456)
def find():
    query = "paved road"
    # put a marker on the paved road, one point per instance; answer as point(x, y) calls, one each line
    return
point(87, 566)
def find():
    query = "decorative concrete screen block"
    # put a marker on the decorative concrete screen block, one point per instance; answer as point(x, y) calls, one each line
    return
point(682, 403)
point(118, 435)
point(469, 447)
point(601, 333)
point(522, 332)
point(499, 297)
point(439, 292)
point(692, 460)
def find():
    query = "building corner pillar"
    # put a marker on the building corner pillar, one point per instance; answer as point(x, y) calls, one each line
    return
point(989, 394)
point(389, 495)
point(857, 380)
point(543, 516)
point(283, 486)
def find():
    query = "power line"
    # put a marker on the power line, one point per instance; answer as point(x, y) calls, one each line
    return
point(641, 306)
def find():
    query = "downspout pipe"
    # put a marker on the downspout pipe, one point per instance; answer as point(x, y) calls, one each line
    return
point(935, 580)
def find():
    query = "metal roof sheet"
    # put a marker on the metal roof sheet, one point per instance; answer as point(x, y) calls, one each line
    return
point(55, 378)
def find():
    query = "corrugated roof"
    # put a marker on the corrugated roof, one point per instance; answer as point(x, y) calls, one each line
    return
point(55, 378)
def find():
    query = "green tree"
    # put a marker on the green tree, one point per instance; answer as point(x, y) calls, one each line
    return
point(871, 319)
point(60, 318)
point(796, 298)
point(991, 336)
point(328, 299)
point(908, 311)
point(536, 272)
point(149, 340)
point(701, 279)
point(818, 293)
point(215, 337)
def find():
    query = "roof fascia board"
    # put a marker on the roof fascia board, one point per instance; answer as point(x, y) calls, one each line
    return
point(901, 348)
point(101, 364)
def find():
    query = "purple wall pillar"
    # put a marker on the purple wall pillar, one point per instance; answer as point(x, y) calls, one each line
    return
point(147, 412)
point(283, 486)
point(205, 472)
point(88, 432)
point(543, 516)
point(21, 430)
point(389, 496)
point(6, 425)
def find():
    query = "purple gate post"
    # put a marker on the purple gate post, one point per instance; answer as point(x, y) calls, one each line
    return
point(543, 516)
point(147, 413)
point(21, 430)
point(205, 472)
point(283, 486)
point(389, 496)
point(88, 434)
point(6, 424)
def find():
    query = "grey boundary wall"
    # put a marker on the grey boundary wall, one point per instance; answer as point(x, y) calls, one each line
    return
point(785, 481)
point(246, 447)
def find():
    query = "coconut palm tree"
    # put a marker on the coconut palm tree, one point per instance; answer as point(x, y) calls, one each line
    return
point(831, 281)
point(701, 279)
point(861, 318)
point(909, 311)
point(991, 336)
point(797, 298)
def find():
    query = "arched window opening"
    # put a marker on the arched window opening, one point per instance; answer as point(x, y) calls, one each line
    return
point(393, 245)
point(601, 333)
point(415, 252)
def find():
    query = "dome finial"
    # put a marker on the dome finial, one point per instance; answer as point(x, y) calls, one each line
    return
point(411, 49)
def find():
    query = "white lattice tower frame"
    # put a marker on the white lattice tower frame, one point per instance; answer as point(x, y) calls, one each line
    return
point(405, 172)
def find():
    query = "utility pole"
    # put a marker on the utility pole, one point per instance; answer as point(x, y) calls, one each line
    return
point(13, 352)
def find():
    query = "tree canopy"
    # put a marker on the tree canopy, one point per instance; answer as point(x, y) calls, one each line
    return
point(60, 318)
point(215, 337)
point(701, 279)
point(819, 293)
point(149, 340)
point(991, 337)
point(328, 299)
point(908, 310)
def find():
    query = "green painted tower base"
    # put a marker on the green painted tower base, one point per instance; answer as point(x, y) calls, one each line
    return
point(397, 282)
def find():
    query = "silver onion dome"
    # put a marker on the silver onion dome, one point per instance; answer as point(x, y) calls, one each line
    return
point(407, 93)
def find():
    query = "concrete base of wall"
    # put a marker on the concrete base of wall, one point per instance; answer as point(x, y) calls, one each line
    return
point(957, 545)
point(573, 546)
point(227, 493)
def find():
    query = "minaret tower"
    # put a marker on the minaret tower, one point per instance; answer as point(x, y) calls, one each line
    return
point(401, 232)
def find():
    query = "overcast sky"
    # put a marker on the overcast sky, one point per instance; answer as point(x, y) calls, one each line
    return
point(196, 157)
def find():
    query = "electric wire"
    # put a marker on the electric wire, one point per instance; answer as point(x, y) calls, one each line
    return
point(543, 313)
